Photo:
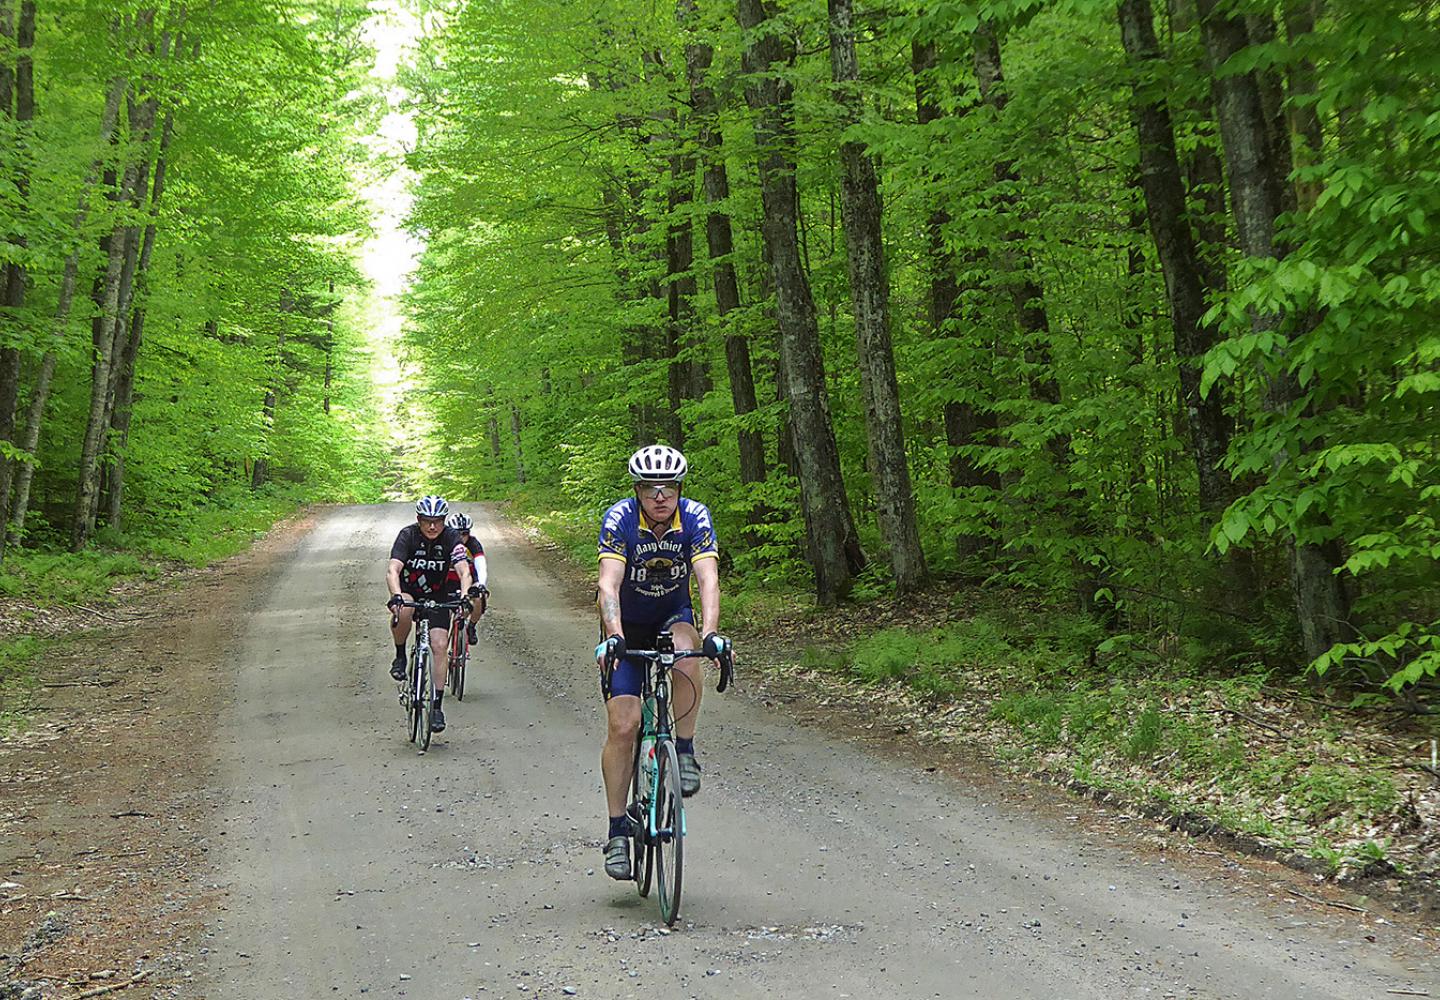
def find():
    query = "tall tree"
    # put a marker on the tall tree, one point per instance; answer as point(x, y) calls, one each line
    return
point(834, 546)
point(720, 241)
point(870, 297)
point(1258, 170)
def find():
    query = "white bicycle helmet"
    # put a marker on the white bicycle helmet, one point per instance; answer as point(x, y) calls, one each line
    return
point(460, 522)
point(431, 506)
point(657, 463)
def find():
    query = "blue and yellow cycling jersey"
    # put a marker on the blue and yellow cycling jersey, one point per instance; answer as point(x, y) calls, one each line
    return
point(657, 562)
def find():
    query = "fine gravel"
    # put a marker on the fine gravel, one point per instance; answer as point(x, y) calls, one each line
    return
point(351, 865)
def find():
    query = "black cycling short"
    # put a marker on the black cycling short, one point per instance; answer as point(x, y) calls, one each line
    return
point(438, 617)
point(629, 672)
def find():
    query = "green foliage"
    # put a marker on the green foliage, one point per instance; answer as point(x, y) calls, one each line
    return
point(252, 367)
point(559, 159)
point(68, 578)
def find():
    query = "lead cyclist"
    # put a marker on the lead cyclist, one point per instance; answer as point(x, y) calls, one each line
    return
point(649, 545)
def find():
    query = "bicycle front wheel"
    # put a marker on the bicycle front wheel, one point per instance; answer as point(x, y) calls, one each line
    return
point(459, 653)
point(669, 831)
point(642, 848)
point(424, 697)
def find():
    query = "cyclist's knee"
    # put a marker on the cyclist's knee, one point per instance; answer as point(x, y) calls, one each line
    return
point(624, 719)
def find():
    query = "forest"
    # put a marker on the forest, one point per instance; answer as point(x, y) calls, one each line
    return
point(182, 308)
point(1127, 306)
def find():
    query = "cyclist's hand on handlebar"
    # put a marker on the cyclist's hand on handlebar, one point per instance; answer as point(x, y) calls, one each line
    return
point(610, 650)
point(716, 646)
point(395, 601)
point(475, 591)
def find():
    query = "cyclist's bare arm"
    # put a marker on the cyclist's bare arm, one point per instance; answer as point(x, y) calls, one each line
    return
point(612, 574)
point(707, 576)
point(392, 575)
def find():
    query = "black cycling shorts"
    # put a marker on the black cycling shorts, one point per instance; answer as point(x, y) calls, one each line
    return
point(629, 673)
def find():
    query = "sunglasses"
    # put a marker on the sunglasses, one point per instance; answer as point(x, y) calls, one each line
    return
point(659, 491)
point(433, 522)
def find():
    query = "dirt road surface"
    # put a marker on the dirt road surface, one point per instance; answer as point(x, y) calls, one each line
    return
point(300, 848)
point(352, 866)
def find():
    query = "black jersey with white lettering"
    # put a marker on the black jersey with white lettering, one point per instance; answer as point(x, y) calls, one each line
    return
point(427, 563)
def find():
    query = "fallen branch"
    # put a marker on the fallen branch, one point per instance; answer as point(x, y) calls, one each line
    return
point(1327, 902)
point(108, 682)
point(1239, 715)
point(112, 987)
point(1410, 993)
point(1257, 722)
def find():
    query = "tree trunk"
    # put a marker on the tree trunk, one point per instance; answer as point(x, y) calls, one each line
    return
point(113, 323)
point(1300, 16)
point(39, 394)
point(1210, 427)
point(519, 446)
point(22, 76)
point(870, 298)
point(329, 343)
point(966, 425)
point(1258, 189)
point(1071, 508)
point(260, 474)
point(720, 242)
point(834, 546)
point(125, 384)
point(680, 294)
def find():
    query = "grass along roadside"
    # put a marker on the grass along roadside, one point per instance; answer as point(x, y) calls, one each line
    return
point(1341, 789)
point(1337, 789)
point(49, 594)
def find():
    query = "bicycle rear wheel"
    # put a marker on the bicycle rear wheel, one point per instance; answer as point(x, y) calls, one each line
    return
point(669, 831)
point(423, 697)
point(642, 848)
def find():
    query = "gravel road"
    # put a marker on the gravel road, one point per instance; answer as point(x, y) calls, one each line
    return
point(353, 866)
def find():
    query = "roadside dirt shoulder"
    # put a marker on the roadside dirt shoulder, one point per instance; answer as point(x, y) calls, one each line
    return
point(103, 797)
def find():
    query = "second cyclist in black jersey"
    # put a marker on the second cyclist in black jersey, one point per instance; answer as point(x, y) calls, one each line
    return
point(420, 567)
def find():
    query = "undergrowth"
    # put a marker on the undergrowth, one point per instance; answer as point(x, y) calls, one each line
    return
point(48, 576)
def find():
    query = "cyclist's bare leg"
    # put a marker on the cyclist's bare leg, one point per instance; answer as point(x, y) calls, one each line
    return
point(622, 723)
point(685, 690)
point(440, 655)
point(403, 619)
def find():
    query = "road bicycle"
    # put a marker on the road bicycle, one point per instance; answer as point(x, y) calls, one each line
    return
point(657, 808)
point(459, 650)
point(417, 691)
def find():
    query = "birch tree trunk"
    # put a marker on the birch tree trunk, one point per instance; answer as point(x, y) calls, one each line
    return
point(870, 298)
point(834, 546)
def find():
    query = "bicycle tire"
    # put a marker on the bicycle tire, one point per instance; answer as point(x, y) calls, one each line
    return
point(670, 831)
point(424, 698)
point(460, 653)
point(642, 849)
point(407, 697)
